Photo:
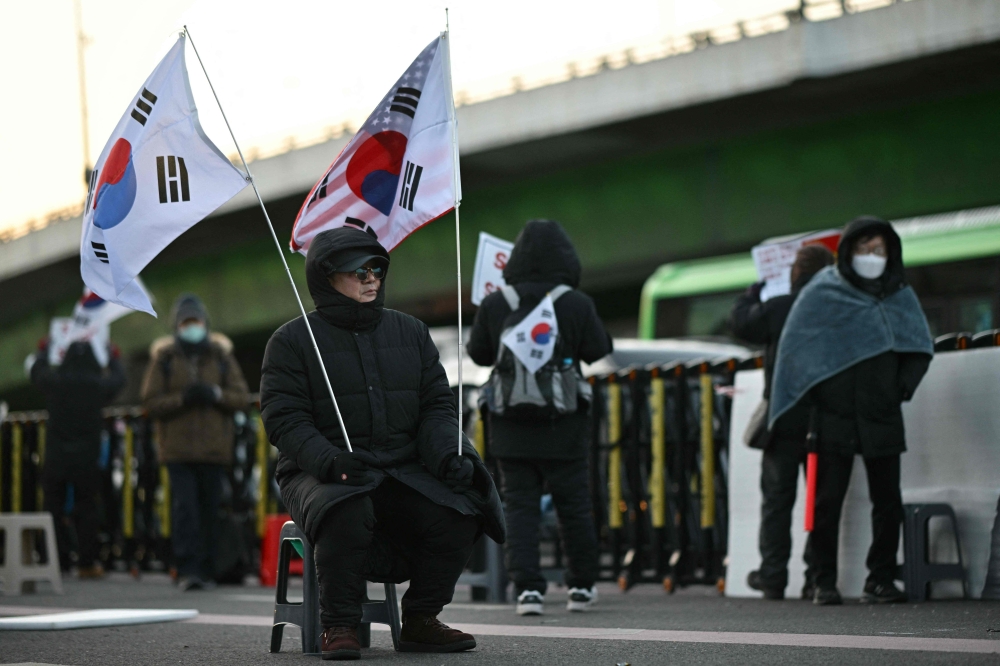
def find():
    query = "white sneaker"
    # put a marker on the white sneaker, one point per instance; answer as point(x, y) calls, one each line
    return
point(529, 602)
point(580, 598)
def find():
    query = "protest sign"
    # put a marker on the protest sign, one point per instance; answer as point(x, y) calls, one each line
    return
point(491, 258)
point(773, 259)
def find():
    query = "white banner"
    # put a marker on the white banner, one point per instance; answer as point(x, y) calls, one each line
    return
point(491, 258)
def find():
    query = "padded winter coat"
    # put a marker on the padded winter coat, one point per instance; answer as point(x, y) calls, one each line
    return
point(398, 408)
point(193, 434)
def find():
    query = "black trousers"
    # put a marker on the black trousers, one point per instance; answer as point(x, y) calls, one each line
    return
point(833, 477)
point(779, 480)
point(86, 486)
point(195, 498)
point(523, 485)
point(392, 533)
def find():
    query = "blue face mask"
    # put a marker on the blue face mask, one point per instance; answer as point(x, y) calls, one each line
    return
point(192, 333)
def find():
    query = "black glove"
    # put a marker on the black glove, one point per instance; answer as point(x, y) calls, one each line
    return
point(201, 394)
point(458, 472)
point(754, 290)
point(348, 469)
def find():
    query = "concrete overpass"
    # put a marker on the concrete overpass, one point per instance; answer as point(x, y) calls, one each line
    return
point(887, 111)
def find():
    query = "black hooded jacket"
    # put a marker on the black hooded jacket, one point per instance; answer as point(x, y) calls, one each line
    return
point(392, 391)
point(859, 409)
point(543, 257)
point(75, 392)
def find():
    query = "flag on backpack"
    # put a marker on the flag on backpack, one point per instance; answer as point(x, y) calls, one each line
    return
point(534, 339)
point(398, 172)
point(158, 176)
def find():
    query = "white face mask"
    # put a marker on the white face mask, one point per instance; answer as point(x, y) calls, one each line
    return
point(192, 333)
point(868, 266)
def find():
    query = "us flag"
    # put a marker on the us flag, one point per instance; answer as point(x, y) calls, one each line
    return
point(398, 172)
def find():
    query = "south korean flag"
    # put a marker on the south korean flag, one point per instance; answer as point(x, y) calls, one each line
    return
point(534, 339)
point(158, 175)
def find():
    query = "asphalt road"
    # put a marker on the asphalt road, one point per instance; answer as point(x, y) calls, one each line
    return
point(644, 626)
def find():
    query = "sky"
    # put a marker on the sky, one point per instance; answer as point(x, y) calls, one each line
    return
point(282, 70)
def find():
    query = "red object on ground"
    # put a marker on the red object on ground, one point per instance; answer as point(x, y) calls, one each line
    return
point(811, 461)
point(269, 551)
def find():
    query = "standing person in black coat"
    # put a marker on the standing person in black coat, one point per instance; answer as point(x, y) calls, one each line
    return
point(553, 452)
point(855, 346)
point(784, 446)
point(403, 505)
point(75, 393)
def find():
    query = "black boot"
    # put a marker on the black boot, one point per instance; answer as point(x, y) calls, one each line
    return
point(426, 633)
point(755, 582)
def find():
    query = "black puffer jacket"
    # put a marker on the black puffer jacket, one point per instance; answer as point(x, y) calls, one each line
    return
point(860, 408)
point(392, 391)
point(75, 392)
point(543, 257)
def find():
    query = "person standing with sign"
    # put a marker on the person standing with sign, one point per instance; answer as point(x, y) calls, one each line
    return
point(784, 450)
point(536, 330)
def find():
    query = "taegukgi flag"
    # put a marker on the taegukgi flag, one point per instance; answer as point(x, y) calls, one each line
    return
point(399, 171)
point(92, 309)
point(158, 176)
point(534, 339)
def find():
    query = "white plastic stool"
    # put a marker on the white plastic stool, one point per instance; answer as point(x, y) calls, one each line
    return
point(14, 570)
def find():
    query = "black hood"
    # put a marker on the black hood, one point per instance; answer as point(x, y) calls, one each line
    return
point(543, 253)
point(334, 307)
point(893, 279)
point(79, 361)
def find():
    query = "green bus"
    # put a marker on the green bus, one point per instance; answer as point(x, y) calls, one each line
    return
point(952, 261)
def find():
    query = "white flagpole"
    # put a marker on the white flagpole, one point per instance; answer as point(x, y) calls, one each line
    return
point(458, 234)
point(277, 243)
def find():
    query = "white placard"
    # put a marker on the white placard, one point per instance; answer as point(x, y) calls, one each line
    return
point(64, 331)
point(773, 260)
point(491, 258)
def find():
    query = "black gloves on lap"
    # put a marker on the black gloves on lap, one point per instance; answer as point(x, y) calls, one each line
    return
point(200, 394)
point(348, 469)
point(458, 473)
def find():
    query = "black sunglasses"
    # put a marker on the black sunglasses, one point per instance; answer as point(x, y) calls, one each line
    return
point(362, 273)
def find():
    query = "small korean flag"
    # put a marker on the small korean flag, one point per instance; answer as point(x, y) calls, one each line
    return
point(534, 339)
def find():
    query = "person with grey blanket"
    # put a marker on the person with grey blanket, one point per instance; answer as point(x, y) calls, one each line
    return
point(855, 346)
point(784, 447)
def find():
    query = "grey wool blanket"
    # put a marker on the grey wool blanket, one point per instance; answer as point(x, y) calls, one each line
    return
point(834, 325)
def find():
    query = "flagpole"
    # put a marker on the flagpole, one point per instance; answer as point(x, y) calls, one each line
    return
point(277, 243)
point(457, 176)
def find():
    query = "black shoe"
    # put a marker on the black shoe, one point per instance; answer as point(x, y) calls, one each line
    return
point(882, 593)
point(827, 597)
point(808, 591)
point(340, 644)
point(426, 633)
point(755, 583)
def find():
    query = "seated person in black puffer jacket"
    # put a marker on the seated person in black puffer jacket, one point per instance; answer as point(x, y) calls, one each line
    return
point(403, 505)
